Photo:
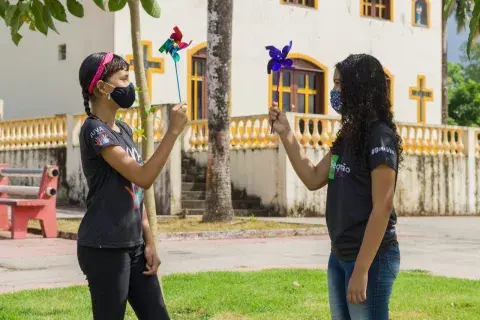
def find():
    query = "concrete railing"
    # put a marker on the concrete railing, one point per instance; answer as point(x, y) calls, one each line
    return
point(130, 116)
point(37, 133)
point(251, 132)
point(440, 174)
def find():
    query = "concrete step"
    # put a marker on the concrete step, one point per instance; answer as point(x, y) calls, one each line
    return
point(188, 162)
point(193, 186)
point(193, 178)
point(237, 204)
point(193, 195)
point(192, 169)
point(201, 195)
point(237, 212)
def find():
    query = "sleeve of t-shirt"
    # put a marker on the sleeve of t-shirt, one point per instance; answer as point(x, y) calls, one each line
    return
point(382, 149)
point(98, 136)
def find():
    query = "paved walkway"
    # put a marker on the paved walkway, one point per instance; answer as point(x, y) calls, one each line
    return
point(445, 246)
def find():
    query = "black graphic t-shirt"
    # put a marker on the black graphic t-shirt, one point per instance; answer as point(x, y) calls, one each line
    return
point(114, 204)
point(349, 194)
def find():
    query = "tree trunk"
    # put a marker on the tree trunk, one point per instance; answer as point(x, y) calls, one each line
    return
point(444, 69)
point(219, 56)
point(144, 105)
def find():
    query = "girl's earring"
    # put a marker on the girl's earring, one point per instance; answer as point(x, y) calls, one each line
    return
point(108, 96)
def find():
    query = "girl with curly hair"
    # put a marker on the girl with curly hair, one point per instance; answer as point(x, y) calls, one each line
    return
point(361, 173)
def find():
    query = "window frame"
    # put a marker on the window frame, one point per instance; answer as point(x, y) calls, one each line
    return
point(390, 86)
point(305, 64)
point(429, 16)
point(295, 3)
point(390, 6)
point(200, 55)
point(197, 52)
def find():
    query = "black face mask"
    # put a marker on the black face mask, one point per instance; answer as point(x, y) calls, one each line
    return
point(124, 97)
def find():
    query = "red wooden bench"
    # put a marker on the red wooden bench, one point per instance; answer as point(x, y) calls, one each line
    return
point(42, 208)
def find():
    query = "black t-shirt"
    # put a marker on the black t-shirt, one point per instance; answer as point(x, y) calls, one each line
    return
point(114, 204)
point(349, 195)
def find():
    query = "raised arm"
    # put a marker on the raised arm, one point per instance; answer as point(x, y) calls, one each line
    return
point(313, 176)
point(145, 175)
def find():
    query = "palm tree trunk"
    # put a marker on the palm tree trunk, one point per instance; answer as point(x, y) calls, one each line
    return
point(144, 105)
point(444, 69)
point(219, 53)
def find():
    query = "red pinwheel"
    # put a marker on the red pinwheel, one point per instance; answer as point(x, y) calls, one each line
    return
point(172, 46)
point(177, 37)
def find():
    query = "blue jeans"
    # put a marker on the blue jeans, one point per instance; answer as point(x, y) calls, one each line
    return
point(381, 275)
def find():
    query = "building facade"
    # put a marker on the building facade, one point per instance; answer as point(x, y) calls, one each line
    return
point(41, 75)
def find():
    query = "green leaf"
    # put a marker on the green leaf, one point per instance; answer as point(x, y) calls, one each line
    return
point(48, 19)
point(24, 6)
point(151, 7)
point(447, 9)
point(10, 12)
point(3, 7)
point(32, 26)
point(15, 24)
point(57, 10)
point(116, 5)
point(37, 8)
point(473, 27)
point(75, 8)
point(16, 37)
point(100, 4)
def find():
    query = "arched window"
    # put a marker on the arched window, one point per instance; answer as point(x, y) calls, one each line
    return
point(390, 85)
point(306, 3)
point(197, 82)
point(302, 89)
point(421, 13)
point(381, 9)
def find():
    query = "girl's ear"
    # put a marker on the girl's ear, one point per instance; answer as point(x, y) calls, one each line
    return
point(104, 88)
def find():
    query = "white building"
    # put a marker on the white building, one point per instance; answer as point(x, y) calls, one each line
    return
point(40, 77)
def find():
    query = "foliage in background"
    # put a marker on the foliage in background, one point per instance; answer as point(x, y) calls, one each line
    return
point(464, 89)
point(40, 15)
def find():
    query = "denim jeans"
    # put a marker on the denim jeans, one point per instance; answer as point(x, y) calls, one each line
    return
point(381, 275)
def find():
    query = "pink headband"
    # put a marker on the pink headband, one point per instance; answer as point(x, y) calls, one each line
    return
point(107, 59)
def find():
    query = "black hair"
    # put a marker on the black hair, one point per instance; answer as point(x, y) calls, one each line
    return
point(88, 69)
point(365, 99)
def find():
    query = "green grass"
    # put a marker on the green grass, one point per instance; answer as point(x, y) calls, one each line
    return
point(193, 224)
point(272, 294)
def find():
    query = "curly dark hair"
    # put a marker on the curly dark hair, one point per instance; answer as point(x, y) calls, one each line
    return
point(364, 98)
point(89, 68)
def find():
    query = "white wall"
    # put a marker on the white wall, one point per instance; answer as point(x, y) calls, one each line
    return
point(330, 34)
point(33, 81)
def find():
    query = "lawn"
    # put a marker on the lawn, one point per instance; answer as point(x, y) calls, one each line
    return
point(272, 294)
point(192, 224)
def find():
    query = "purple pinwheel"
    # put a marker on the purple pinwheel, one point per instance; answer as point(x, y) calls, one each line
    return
point(279, 58)
point(277, 62)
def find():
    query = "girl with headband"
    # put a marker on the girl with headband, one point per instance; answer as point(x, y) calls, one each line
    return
point(116, 250)
point(361, 173)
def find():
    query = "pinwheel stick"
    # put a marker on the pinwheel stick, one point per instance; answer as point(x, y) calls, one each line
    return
point(178, 83)
point(277, 97)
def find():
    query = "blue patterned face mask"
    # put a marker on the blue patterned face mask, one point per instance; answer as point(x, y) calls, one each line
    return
point(335, 100)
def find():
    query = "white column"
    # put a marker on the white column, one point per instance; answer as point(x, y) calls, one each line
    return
point(469, 143)
point(1, 109)
point(175, 167)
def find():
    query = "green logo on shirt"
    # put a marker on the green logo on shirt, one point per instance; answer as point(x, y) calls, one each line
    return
point(333, 165)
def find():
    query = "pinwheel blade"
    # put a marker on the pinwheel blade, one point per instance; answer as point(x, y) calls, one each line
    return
point(288, 63)
point(286, 49)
